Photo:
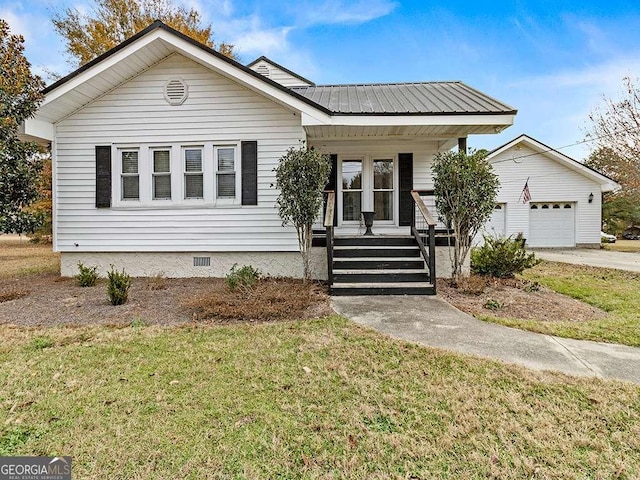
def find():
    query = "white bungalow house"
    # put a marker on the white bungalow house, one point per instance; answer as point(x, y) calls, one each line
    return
point(565, 205)
point(164, 150)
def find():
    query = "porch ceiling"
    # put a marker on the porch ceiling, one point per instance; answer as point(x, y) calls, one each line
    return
point(336, 132)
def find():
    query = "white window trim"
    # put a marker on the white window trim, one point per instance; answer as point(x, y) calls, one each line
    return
point(120, 176)
point(154, 174)
point(177, 171)
point(238, 174)
point(184, 174)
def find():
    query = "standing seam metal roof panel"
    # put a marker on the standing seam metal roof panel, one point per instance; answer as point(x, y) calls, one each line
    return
point(435, 98)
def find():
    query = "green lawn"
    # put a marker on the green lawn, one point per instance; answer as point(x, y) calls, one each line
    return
point(314, 399)
point(614, 291)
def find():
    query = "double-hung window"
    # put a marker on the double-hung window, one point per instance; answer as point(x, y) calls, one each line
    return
point(161, 174)
point(226, 167)
point(193, 173)
point(130, 177)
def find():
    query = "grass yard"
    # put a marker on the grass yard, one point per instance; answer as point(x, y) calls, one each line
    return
point(20, 257)
point(631, 246)
point(614, 291)
point(310, 399)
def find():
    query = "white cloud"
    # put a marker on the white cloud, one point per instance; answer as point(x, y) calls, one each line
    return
point(338, 11)
point(18, 23)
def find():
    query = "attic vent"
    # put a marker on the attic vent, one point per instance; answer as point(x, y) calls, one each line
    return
point(201, 261)
point(176, 91)
point(263, 70)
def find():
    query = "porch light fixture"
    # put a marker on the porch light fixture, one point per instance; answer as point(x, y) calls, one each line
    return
point(591, 198)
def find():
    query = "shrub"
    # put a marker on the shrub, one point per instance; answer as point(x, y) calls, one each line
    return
point(87, 276)
point(118, 286)
point(492, 304)
point(244, 277)
point(502, 257)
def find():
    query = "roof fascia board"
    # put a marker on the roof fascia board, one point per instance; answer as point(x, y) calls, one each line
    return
point(392, 120)
point(39, 129)
point(607, 184)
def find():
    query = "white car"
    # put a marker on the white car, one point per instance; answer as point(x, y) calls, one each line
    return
point(607, 238)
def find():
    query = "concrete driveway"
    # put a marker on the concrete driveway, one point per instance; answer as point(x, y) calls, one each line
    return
point(592, 257)
point(432, 321)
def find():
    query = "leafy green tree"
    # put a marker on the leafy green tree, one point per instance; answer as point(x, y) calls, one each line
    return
point(301, 177)
point(111, 22)
point(465, 188)
point(20, 164)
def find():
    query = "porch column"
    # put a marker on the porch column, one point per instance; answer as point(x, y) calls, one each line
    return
point(462, 144)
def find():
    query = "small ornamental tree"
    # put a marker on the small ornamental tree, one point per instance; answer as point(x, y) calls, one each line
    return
point(20, 164)
point(301, 178)
point(465, 188)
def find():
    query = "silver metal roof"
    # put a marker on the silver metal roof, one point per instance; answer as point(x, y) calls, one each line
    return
point(427, 98)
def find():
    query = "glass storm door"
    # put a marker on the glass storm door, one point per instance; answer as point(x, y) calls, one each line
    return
point(383, 190)
point(351, 190)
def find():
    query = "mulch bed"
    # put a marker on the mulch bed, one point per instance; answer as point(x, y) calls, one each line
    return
point(515, 298)
point(47, 300)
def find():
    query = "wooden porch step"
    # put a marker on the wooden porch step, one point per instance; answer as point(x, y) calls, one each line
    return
point(380, 276)
point(374, 240)
point(378, 263)
point(376, 251)
point(405, 288)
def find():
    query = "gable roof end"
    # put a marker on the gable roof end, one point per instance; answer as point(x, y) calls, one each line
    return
point(262, 58)
point(607, 184)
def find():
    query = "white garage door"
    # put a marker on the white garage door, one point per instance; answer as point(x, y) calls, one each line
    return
point(552, 225)
point(495, 226)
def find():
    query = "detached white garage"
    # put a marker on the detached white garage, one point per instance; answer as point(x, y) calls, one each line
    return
point(565, 208)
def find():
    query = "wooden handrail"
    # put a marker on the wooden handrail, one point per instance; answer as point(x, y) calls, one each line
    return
point(331, 205)
point(328, 225)
point(423, 208)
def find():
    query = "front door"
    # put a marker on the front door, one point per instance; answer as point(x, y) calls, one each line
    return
point(368, 183)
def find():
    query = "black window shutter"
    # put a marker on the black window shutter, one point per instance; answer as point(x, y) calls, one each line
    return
point(103, 176)
point(249, 173)
point(405, 163)
point(332, 185)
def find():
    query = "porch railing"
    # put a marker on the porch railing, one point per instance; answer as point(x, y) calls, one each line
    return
point(328, 224)
point(423, 228)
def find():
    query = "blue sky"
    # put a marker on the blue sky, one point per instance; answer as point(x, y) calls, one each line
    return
point(552, 61)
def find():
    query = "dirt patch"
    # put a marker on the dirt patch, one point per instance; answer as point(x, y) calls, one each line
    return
point(514, 298)
point(53, 300)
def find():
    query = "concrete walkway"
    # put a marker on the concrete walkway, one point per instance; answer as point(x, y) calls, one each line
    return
point(592, 257)
point(432, 321)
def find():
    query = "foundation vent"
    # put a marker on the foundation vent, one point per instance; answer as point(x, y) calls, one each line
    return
point(176, 91)
point(201, 261)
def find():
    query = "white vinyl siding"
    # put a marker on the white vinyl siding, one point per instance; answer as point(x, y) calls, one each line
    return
point(217, 112)
point(549, 182)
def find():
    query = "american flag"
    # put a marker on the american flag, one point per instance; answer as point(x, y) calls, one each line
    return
point(526, 194)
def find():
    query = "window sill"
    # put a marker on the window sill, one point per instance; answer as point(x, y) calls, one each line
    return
point(172, 206)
